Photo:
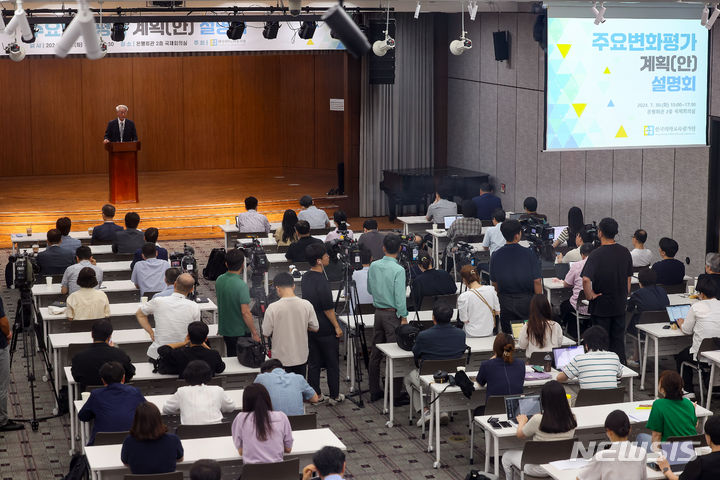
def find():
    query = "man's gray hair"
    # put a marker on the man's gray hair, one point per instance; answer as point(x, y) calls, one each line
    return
point(117, 109)
point(712, 261)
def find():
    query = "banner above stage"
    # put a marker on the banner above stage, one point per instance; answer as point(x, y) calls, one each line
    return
point(180, 36)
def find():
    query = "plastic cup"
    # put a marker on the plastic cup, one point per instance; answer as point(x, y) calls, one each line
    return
point(36, 248)
point(143, 299)
point(29, 231)
point(691, 289)
point(227, 221)
point(90, 230)
point(48, 280)
point(435, 227)
point(85, 396)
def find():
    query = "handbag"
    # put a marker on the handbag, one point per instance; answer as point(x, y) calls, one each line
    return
point(250, 353)
point(406, 335)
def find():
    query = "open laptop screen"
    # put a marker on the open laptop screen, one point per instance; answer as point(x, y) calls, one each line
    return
point(677, 311)
point(522, 405)
point(563, 355)
point(450, 219)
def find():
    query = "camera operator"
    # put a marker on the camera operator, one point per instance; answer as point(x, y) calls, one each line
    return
point(296, 250)
point(515, 274)
point(361, 276)
point(386, 284)
point(6, 425)
point(430, 282)
point(372, 239)
point(530, 205)
point(341, 229)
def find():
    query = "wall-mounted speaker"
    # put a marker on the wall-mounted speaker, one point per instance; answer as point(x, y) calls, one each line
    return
point(501, 41)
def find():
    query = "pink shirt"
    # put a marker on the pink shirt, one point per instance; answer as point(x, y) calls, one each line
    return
point(574, 278)
point(255, 451)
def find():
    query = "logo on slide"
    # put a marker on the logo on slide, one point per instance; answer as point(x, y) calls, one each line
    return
point(649, 130)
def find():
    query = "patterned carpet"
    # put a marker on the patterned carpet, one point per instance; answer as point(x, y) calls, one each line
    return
point(374, 451)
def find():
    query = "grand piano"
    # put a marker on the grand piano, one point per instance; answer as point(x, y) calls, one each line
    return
point(415, 186)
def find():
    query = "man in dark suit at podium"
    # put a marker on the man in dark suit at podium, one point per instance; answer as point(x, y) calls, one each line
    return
point(121, 129)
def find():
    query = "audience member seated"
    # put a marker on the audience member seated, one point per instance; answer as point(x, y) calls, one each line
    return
point(149, 449)
point(260, 434)
point(502, 374)
point(87, 303)
point(86, 364)
point(540, 333)
point(206, 469)
point(486, 203)
point(172, 314)
point(288, 322)
point(467, 225)
point(112, 407)
point(296, 251)
point(83, 256)
point(493, 238)
point(641, 256)
point(151, 236)
point(340, 219)
point(576, 223)
point(149, 275)
point(310, 213)
point(530, 206)
point(54, 259)
point(671, 414)
point(251, 221)
point(574, 280)
point(176, 356)
point(286, 234)
point(703, 467)
point(712, 270)
point(198, 403)
point(557, 422)
point(105, 233)
point(669, 271)
point(648, 297)
point(441, 342)
point(442, 207)
point(360, 276)
point(287, 390)
point(328, 463)
point(702, 321)
point(596, 368)
point(622, 459)
point(67, 243)
point(130, 239)
point(478, 306)
point(581, 238)
point(171, 275)
point(372, 239)
point(430, 282)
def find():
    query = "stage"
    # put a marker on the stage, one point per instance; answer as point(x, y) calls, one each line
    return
point(182, 204)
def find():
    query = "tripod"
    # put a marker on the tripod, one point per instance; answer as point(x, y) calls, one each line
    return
point(26, 325)
point(356, 334)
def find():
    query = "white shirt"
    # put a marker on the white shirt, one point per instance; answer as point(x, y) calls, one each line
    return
point(572, 256)
point(702, 321)
point(553, 338)
point(641, 257)
point(314, 216)
point(252, 221)
point(199, 404)
point(621, 460)
point(477, 317)
point(360, 277)
point(172, 314)
point(493, 238)
point(287, 321)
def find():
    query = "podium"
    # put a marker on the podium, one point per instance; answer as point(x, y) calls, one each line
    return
point(122, 158)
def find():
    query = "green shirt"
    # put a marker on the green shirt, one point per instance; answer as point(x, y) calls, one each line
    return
point(232, 292)
point(386, 284)
point(672, 418)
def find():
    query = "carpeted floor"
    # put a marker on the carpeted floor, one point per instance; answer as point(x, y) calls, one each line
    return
point(374, 450)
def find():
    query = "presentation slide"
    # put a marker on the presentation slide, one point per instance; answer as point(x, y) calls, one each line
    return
point(628, 82)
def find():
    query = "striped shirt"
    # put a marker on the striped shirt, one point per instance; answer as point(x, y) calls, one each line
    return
point(595, 369)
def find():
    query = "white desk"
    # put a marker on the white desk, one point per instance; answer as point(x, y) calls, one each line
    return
point(116, 266)
point(572, 473)
point(713, 358)
point(673, 340)
point(587, 418)
point(414, 220)
point(305, 442)
point(94, 249)
point(41, 290)
point(41, 238)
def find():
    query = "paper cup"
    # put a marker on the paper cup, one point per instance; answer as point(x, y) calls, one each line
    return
point(460, 369)
point(36, 248)
point(691, 289)
point(227, 221)
point(90, 229)
point(48, 280)
point(435, 227)
point(85, 396)
point(143, 299)
point(29, 231)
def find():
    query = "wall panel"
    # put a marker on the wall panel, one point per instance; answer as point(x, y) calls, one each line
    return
point(506, 143)
point(15, 121)
point(627, 197)
point(657, 194)
point(297, 124)
point(328, 124)
point(526, 155)
point(572, 183)
point(464, 124)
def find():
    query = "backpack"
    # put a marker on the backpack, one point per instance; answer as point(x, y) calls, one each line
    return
point(477, 475)
point(406, 335)
point(79, 468)
point(215, 264)
point(250, 353)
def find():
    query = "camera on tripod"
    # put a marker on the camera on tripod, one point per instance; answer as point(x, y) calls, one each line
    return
point(540, 236)
point(591, 234)
point(255, 256)
point(25, 270)
point(346, 250)
point(465, 254)
point(185, 260)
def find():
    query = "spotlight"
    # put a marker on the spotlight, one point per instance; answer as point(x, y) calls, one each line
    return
point(713, 17)
point(236, 30)
point(103, 48)
point(417, 11)
point(457, 47)
point(381, 47)
point(294, 7)
point(82, 25)
point(704, 15)
point(347, 31)
point(307, 30)
point(271, 30)
point(599, 13)
point(472, 9)
point(118, 32)
point(20, 20)
point(33, 31)
point(15, 52)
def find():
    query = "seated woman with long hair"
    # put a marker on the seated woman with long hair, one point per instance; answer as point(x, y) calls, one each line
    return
point(286, 234)
point(149, 449)
point(540, 333)
point(261, 435)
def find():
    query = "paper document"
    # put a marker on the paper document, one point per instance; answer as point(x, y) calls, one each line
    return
point(639, 415)
point(571, 464)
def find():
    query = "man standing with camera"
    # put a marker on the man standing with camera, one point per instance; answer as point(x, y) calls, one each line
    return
point(386, 284)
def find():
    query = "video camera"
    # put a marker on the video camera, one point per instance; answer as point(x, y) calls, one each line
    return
point(25, 270)
point(465, 254)
point(185, 260)
point(591, 234)
point(346, 250)
point(540, 235)
point(255, 256)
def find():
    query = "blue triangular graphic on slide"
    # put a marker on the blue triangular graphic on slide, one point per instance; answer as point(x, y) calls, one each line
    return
point(611, 104)
point(571, 143)
point(340, 46)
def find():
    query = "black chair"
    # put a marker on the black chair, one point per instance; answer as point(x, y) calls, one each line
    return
point(588, 397)
point(303, 422)
point(110, 438)
point(648, 316)
point(186, 432)
point(495, 405)
point(150, 295)
point(75, 348)
point(537, 453)
point(81, 326)
point(285, 470)
point(698, 440)
point(155, 476)
point(428, 367)
point(579, 316)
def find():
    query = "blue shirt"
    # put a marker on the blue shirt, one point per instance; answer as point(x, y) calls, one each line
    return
point(287, 390)
point(515, 269)
point(162, 254)
point(112, 407)
point(493, 239)
point(502, 378)
point(149, 275)
point(70, 244)
point(485, 205)
point(441, 342)
point(165, 293)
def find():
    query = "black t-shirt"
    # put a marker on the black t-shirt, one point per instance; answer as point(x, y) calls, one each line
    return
point(316, 290)
point(669, 271)
point(515, 269)
point(152, 456)
point(704, 467)
point(296, 251)
point(608, 267)
point(174, 360)
point(432, 282)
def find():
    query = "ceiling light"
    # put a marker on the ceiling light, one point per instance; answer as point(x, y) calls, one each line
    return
point(15, 52)
point(472, 9)
point(82, 25)
point(599, 13)
point(417, 11)
point(270, 30)
point(118, 32)
point(307, 30)
point(457, 47)
point(704, 15)
point(236, 30)
point(713, 17)
point(347, 31)
point(294, 7)
point(381, 47)
point(19, 20)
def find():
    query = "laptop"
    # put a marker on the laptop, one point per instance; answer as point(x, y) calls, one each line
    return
point(678, 454)
point(677, 311)
point(563, 355)
point(514, 216)
point(522, 405)
point(450, 219)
